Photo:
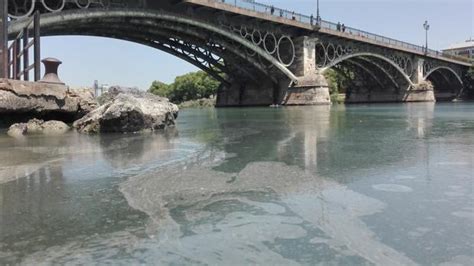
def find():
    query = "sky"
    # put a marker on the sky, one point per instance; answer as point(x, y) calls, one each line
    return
point(116, 62)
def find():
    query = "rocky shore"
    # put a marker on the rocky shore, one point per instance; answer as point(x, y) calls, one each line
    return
point(200, 103)
point(129, 110)
point(21, 101)
point(42, 108)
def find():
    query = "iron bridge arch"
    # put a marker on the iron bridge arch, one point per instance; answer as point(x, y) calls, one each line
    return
point(223, 51)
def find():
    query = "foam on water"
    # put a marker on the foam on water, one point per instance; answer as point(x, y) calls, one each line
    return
point(392, 188)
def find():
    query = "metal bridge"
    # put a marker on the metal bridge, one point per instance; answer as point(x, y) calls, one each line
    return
point(261, 54)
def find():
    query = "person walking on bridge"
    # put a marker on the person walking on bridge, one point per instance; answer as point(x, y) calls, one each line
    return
point(339, 26)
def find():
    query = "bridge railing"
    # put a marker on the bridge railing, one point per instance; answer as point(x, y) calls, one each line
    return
point(278, 12)
point(268, 9)
point(370, 36)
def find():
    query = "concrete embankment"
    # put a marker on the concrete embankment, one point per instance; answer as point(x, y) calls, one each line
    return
point(21, 101)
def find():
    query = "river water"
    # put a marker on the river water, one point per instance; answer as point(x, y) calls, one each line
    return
point(340, 185)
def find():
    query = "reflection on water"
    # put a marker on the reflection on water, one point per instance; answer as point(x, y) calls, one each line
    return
point(354, 185)
point(262, 212)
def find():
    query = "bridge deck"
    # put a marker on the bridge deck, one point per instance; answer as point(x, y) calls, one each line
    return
point(280, 16)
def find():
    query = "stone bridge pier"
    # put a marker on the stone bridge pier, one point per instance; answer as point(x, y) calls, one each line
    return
point(311, 88)
point(308, 88)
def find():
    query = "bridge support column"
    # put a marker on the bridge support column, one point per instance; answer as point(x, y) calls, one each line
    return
point(423, 90)
point(242, 92)
point(311, 87)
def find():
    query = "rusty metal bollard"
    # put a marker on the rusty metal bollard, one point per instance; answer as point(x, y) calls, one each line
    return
point(51, 66)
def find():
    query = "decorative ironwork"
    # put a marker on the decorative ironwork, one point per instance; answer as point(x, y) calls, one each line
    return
point(53, 5)
point(430, 66)
point(286, 51)
point(203, 56)
point(278, 45)
point(19, 9)
point(330, 52)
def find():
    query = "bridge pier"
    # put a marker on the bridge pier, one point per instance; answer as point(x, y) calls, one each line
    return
point(248, 93)
point(310, 90)
point(311, 87)
point(423, 90)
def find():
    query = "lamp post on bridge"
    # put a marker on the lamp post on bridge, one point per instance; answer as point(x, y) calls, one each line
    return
point(427, 28)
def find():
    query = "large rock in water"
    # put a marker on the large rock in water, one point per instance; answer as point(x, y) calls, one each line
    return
point(21, 100)
point(129, 110)
point(36, 126)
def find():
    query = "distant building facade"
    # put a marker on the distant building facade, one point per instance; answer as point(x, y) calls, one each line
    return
point(100, 89)
point(465, 49)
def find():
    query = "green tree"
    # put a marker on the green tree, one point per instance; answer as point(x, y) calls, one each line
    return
point(191, 86)
point(160, 88)
point(338, 82)
point(333, 80)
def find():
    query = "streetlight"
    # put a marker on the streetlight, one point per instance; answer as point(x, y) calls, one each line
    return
point(427, 27)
